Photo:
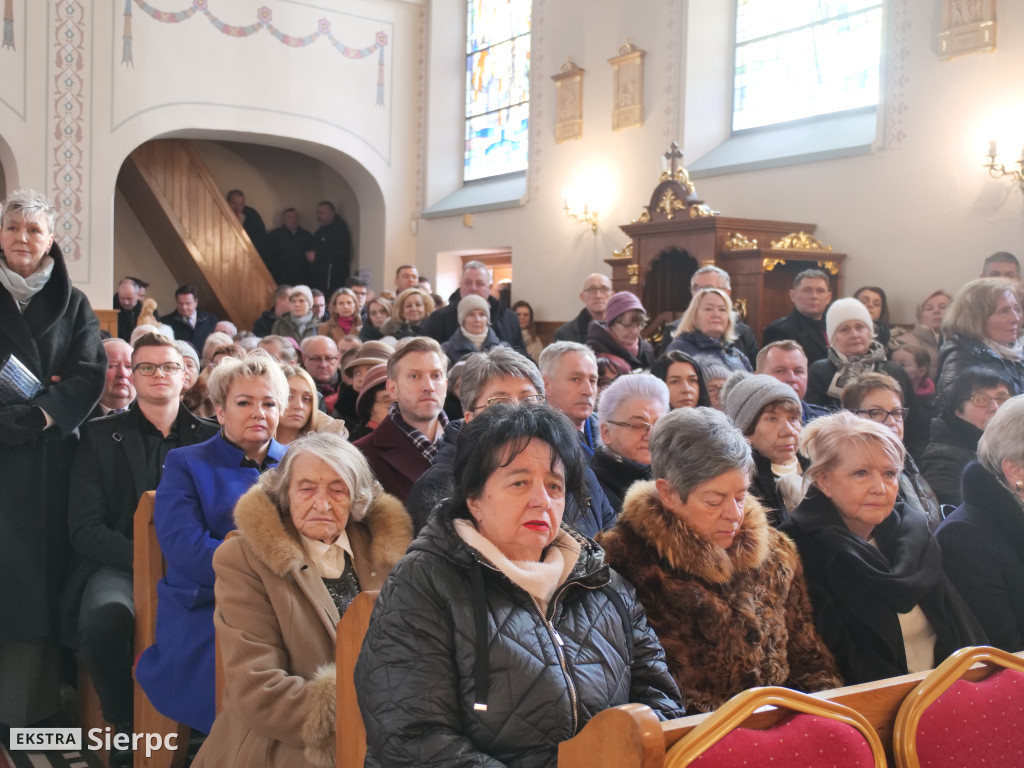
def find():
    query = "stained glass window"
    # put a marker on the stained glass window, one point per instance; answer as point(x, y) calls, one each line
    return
point(802, 58)
point(497, 87)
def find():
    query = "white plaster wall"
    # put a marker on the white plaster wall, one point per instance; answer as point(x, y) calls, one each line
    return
point(190, 80)
point(918, 214)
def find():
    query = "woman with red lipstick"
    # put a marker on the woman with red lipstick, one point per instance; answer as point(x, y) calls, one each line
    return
point(502, 632)
point(193, 514)
point(723, 590)
point(881, 597)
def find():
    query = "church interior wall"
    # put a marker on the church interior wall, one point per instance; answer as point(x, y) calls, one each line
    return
point(917, 212)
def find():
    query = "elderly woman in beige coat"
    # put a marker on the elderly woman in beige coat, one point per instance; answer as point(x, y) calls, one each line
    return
point(314, 532)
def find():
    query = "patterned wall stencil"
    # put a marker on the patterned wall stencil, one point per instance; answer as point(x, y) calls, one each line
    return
point(895, 95)
point(69, 126)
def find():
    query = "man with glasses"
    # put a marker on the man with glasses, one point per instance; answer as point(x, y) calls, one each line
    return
point(597, 289)
point(499, 375)
point(119, 458)
point(320, 358)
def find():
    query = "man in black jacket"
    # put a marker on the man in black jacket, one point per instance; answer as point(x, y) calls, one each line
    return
point(498, 376)
point(476, 279)
point(119, 458)
point(128, 306)
point(597, 289)
point(331, 257)
point(806, 323)
point(188, 322)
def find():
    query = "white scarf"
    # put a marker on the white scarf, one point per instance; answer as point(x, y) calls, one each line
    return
point(476, 339)
point(1014, 352)
point(540, 579)
point(23, 289)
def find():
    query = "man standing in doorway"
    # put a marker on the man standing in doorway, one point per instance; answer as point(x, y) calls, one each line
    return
point(331, 256)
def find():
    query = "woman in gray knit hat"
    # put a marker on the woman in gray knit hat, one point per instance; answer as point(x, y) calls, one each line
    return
point(769, 415)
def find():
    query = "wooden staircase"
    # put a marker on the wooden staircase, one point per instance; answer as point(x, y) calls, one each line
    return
point(198, 236)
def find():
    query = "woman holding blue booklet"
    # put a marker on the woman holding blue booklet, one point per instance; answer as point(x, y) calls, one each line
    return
point(48, 327)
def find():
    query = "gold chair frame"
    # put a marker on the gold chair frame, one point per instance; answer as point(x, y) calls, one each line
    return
point(735, 712)
point(933, 686)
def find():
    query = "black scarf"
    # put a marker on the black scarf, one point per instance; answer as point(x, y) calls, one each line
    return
point(901, 571)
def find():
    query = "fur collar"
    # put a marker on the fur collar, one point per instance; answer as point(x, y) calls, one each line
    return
point(683, 549)
point(276, 542)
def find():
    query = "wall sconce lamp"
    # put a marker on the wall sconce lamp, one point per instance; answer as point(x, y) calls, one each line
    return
point(998, 170)
point(584, 214)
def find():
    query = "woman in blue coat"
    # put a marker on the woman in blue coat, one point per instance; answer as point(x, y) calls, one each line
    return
point(194, 509)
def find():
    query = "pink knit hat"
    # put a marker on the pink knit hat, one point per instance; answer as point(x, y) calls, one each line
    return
point(620, 303)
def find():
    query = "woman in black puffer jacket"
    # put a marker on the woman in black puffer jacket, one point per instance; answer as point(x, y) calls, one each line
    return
point(501, 633)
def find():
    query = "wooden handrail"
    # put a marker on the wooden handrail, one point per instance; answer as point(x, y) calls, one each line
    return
point(197, 234)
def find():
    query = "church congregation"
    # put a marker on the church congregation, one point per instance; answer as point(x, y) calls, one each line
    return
point(719, 457)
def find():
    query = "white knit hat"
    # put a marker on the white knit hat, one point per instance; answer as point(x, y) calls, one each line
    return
point(468, 303)
point(843, 310)
point(305, 291)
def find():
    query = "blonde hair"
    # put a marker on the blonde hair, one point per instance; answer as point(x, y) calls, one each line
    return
point(688, 324)
point(827, 439)
point(398, 310)
point(974, 304)
point(292, 371)
point(257, 364)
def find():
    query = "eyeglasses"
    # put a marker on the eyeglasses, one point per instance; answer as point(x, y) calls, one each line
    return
point(321, 360)
point(881, 415)
point(984, 401)
point(635, 325)
point(149, 369)
point(596, 289)
point(503, 400)
point(637, 426)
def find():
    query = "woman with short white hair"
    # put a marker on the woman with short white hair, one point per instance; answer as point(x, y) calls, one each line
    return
point(627, 410)
point(51, 330)
point(314, 533)
point(983, 541)
point(882, 600)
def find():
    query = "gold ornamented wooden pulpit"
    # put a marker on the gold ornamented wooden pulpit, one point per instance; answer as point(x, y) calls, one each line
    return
point(677, 233)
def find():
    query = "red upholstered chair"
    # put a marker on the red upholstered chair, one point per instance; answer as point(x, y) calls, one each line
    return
point(811, 733)
point(950, 721)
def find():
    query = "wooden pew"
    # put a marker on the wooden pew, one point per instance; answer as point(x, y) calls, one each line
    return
point(631, 736)
point(148, 570)
point(350, 735)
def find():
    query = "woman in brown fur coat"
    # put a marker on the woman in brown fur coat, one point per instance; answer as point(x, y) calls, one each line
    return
point(314, 533)
point(723, 590)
